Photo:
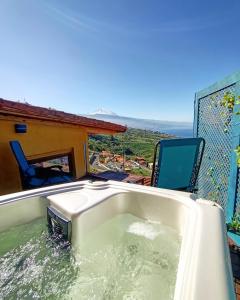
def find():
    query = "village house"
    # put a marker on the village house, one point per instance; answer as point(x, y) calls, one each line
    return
point(45, 134)
point(141, 161)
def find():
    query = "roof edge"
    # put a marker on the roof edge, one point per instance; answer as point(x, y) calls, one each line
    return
point(8, 107)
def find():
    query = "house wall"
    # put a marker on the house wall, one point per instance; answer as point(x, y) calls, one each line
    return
point(43, 139)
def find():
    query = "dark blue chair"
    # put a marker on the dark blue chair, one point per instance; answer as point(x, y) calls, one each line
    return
point(176, 163)
point(33, 176)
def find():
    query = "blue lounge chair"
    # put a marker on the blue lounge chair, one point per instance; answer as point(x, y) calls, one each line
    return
point(176, 163)
point(32, 176)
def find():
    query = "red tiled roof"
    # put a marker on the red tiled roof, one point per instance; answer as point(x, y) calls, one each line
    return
point(147, 180)
point(36, 112)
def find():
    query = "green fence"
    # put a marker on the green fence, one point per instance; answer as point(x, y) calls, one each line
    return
point(217, 120)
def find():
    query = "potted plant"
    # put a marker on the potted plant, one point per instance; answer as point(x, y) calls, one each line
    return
point(234, 225)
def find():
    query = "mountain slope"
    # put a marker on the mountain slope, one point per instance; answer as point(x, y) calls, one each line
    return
point(102, 111)
point(182, 129)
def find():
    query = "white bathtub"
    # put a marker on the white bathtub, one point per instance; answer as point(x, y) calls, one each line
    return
point(204, 269)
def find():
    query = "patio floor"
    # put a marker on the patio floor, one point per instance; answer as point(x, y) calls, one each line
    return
point(235, 260)
point(120, 176)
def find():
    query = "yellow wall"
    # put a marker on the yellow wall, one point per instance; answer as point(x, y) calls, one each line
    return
point(42, 138)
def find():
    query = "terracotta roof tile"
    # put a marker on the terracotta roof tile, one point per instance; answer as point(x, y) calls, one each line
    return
point(147, 180)
point(36, 112)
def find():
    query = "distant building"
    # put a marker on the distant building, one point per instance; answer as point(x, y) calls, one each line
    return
point(106, 154)
point(118, 158)
point(150, 165)
point(50, 134)
point(141, 161)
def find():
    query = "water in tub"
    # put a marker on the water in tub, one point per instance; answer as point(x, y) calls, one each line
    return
point(124, 258)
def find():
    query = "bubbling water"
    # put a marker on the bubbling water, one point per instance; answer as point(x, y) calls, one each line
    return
point(124, 258)
point(33, 267)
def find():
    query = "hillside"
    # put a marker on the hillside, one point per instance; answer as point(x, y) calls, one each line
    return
point(133, 143)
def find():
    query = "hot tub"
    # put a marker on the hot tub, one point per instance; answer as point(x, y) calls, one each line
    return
point(125, 241)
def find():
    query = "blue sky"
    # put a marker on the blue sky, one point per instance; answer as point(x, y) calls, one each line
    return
point(139, 58)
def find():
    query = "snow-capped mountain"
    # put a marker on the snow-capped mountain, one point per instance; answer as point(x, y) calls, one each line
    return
point(102, 111)
point(181, 129)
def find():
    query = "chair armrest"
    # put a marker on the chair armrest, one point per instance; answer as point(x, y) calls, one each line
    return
point(30, 172)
